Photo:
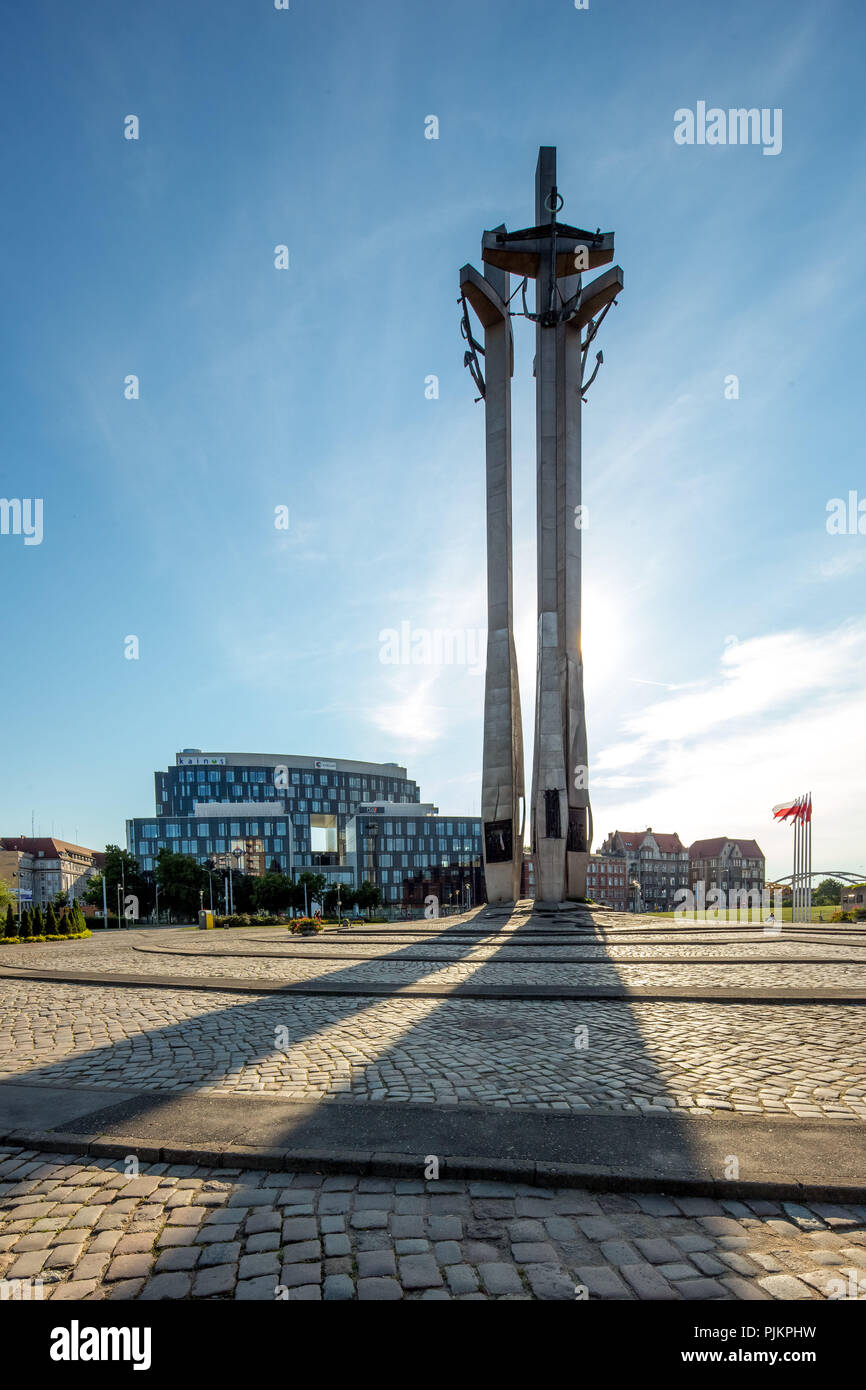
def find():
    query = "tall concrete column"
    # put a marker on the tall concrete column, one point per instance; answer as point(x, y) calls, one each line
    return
point(502, 787)
point(554, 254)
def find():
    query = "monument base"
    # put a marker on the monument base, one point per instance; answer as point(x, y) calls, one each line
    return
point(576, 863)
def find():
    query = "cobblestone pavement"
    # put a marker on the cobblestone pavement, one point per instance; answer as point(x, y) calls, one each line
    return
point(88, 1231)
point(695, 1058)
point(254, 955)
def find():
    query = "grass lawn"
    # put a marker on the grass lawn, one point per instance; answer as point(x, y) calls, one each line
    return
point(730, 914)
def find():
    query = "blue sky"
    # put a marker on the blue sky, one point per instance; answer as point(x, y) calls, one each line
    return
point(725, 635)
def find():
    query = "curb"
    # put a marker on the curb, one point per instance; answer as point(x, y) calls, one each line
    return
point(382, 1164)
point(217, 984)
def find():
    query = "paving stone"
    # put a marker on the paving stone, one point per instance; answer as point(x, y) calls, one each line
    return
point(180, 1258)
point(74, 1290)
point(743, 1289)
point(261, 1290)
point(216, 1234)
point(129, 1267)
point(368, 1220)
point(253, 1266)
point(524, 1231)
point(302, 1252)
point(263, 1221)
point(217, 1279)
point(419, 1272)
point(657, 1251)
point(598, 1228)
point(265, 1240)
point(379, 1290)
point(220, 1253)
point(125, 1289)
point(447, 1252)
point(646, 1281)
point(338, 1287)
point(166, 1286)
point(534, 1253)
point(784, 1286)
point(700, 1289)
point(409, 1227)
point(499, 1279)
point(444, 1228)
point(619, 1252)
point(462, 1278)
point(550, 1283)
point(374, 1264)
point(299, 1228)
point(292, 1275)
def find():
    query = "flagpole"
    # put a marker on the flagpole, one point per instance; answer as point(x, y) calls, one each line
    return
point(809, 880)
point(794, 877)
point(801, 829)
point(795, 896)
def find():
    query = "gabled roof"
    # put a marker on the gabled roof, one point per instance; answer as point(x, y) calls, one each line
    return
point(668, 844)
point(711, 849)
point(49, 847)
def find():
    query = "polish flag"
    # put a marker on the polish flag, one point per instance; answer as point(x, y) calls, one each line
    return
point(787, 808)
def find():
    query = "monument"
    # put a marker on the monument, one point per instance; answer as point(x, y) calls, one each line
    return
point(554, 255)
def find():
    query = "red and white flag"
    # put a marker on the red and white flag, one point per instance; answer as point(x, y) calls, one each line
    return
point(798, 808)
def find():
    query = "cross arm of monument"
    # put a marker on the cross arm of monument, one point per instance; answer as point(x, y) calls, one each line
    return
point(488, 305)
point(597, 295)
point(484, 298)
point(523, 252)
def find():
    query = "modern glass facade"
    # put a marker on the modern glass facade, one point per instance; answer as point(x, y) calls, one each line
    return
point(293, 809)
point(412, 855)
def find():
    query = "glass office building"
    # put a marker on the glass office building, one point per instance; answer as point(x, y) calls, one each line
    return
point(413, 853)
point(263, 808)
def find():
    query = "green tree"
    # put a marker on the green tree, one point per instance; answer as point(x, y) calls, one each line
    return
point(38, 922)
point(26, 928)
point(181, 880)
point(61, 899)
point(315, 886)
point(63, 923)
point(828, 893)
point(11, 922)
point(120, 869)
point(338, 898)
point(6, 895)
point(50, 921)
point(368, 897)
point(243, 887)
point(271, 892)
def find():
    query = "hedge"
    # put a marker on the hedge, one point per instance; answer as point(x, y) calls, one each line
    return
point(24, 940)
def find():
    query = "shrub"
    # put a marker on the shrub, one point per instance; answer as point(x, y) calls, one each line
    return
point(50, 921)
point(305, 924)
point(26, 929)
point(11, 922)
point(63, 925)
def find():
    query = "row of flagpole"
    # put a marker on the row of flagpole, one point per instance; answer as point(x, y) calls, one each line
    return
point(800, 811)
